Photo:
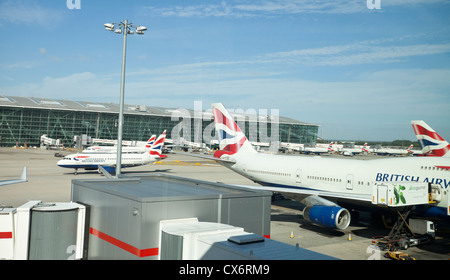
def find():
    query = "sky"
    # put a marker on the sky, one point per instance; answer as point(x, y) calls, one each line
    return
point(360, 69)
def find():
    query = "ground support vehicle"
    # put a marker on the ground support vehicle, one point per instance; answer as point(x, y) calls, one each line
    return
point(404, 235)
point(398, 255)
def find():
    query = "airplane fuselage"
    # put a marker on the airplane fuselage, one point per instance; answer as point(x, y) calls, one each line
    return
point(111, 150)
point(92, 161)
point(347, 176)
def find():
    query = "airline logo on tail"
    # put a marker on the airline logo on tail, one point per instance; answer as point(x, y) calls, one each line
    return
point(410, 149)
point(432, 144)
point(157, 147)
point(364, 148)
point(330, 147)
point(231, 138)
point(150, 141)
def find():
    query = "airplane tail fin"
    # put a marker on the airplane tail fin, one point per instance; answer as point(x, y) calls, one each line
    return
point(150, 141)
point(156, 148)
point(410, 151)
point(364, 148)
point(330, 147)
point(231, 138)
point(432, 144)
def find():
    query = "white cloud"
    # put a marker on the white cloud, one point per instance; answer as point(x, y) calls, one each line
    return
point(359, 53)
point(364, 101)
point(405, 3)
point(365, 52)
point(27, 12)
point(240, 9)
point(19, 65)
point(54, 58)
point(264, 8)
point(84, 85)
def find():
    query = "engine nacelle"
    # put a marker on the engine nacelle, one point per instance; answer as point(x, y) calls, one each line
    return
point(328, 216)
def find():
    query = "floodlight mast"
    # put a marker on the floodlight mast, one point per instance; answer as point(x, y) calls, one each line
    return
point(124, 28)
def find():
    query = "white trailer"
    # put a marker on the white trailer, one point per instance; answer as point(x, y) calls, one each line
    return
point(404, 196)
point(399, 194)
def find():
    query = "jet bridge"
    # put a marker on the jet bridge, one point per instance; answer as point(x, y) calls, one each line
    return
point(43, 231)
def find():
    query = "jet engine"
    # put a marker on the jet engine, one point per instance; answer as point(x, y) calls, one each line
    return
point(328, 216)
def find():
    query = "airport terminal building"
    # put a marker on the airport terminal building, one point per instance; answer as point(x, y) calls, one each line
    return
point(23, 120)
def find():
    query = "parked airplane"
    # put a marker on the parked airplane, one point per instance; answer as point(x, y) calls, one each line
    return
point(352, 151)
point(318, 150)
point(322, 183)
point(23, 178)
point(125, 149)
point(157, 146)
point(414, 152)
point(108, 160)
point(390, 151)
point(292, 147)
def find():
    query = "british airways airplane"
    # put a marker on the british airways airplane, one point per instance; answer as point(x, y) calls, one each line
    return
point(322, 183)
point(125, 149)
point(318, 150)
point(108, 160)
point(352, 151)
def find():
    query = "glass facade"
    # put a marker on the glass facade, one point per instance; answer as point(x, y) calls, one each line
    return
point(22, 125)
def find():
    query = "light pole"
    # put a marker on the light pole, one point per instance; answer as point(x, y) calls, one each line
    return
point(125, 29)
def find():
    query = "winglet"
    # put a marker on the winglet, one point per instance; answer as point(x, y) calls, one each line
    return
point(23, 179)
point(24, 175)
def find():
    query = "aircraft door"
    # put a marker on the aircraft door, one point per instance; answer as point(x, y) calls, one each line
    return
point(298, 176)
point(382, 194)
point(350, 182)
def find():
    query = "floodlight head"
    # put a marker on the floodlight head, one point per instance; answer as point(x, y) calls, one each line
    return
point(109, 26)
point(130, 32)
point(139, 32)
point(141, 29)
point(118, 31)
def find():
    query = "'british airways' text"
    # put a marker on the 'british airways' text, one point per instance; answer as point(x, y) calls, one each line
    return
point(386, 177)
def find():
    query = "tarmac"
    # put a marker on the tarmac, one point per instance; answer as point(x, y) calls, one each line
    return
point(50, 183)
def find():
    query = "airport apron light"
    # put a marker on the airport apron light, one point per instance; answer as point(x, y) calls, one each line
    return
point(125, 29)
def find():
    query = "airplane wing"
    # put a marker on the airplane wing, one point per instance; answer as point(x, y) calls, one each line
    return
point(208, 157)
point(23, 178)
point(105, 172)
point(358, 197)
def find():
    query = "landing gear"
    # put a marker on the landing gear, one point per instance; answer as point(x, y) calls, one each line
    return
point(75, 172)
